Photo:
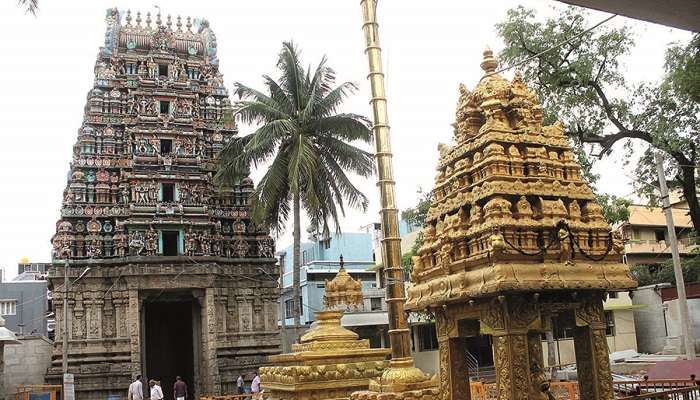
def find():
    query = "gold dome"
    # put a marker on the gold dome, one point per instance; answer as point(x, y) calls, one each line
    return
point(24, 260)
point(343, 290)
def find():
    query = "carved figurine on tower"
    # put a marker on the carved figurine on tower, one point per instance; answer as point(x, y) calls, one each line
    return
point(140, 210)
point(535, 244)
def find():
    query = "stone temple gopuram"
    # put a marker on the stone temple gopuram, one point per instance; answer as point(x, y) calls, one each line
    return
point(513, 237)
point(180, 282)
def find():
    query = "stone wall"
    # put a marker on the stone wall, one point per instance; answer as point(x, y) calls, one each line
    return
point(26, 363)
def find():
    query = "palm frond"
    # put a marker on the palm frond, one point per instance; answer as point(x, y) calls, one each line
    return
point(32, 6)
point(292, 73)
point(349, 127)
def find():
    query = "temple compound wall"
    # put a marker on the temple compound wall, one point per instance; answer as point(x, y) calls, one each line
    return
point(169, 275)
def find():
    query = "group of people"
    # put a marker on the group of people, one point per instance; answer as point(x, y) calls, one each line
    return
point(138, 392)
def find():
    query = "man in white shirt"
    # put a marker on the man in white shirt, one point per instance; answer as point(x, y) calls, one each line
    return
point(136, 389)
point(240, 384)
point(255, 386)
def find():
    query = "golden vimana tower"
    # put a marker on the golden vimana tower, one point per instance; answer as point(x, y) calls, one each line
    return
point(513, 237)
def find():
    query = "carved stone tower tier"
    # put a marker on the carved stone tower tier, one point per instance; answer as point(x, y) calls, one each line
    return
point(514, 236)
point(180, 281)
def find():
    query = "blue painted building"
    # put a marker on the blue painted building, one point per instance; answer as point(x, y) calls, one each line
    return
point(320, 262)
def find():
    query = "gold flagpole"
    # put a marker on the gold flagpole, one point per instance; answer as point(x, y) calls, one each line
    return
point(402, 375)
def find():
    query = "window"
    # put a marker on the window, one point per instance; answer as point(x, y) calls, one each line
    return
point(171, 240)
point(327, 243)
point(164, 107)
point(427, 337)
point(166, 146)
point(167, 192)
point(289, 308)
point(304, 257)
point(659, 235)
point(609, 323)
point(131, 69)
point(320, 285)
point(162, 69)
point(612, 295)
point(8, 307)
point(375, 304)
point(564, 325)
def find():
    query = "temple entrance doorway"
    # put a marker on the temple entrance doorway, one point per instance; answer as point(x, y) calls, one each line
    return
point(172, 332)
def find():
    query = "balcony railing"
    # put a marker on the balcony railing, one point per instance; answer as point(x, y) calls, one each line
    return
point(685, 245)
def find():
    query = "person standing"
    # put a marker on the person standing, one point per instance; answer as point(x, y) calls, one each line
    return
point(255, 386)
point(156, 390)
point(136, 389)
point(179, 389)
point(240, 384)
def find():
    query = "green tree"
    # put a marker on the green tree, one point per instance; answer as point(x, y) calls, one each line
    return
point(416, 215)
point(615, 209)
point(663, 273)
point(308, 144)
point(583, 82)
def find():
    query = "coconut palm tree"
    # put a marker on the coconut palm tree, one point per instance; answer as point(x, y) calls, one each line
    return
point(32, 6)
point(308, 145)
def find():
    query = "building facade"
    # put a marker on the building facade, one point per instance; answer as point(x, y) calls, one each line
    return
point(646, 236)
point(168, 275)
point(320, 262)
point(24, 305)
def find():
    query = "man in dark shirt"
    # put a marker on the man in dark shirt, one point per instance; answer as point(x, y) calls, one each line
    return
point(179, 389)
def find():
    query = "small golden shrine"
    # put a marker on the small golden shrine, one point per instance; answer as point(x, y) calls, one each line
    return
point(330, 362)
point(514, 236)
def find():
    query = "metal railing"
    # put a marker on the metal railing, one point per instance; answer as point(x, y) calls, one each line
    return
point(472, 364)
point(666, 389)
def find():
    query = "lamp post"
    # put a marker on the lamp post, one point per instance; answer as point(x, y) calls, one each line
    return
point(64, 347)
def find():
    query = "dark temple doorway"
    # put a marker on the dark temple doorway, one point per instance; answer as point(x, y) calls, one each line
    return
point(171, 331)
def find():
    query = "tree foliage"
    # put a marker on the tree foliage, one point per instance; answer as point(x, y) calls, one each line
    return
point(583, 83)
point(306, 140)
point(417, 215)
point(615, 209)
point(655, 274)
point(32, 6)
point(308, 145)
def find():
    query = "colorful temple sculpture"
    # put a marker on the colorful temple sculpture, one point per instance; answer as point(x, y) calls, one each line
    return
point(180, 282)
point(330, 362)
point(514, 236)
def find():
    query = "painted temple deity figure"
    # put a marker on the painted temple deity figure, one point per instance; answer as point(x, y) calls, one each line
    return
point(151, 242)
point(120, 241)
point(136, 243)
point(94, 248)
point(205, 243)
point(190, 242)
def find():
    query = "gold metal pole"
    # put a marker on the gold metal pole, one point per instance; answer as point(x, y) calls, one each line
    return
point(401, 371)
